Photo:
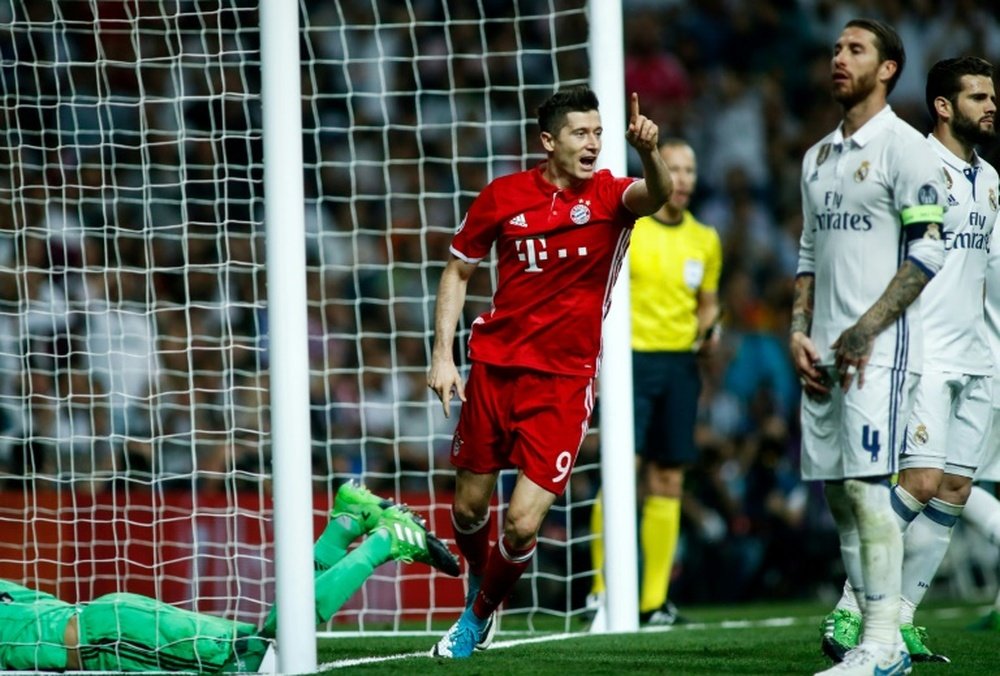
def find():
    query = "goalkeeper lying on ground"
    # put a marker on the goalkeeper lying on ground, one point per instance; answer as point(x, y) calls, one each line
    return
point(130, 632)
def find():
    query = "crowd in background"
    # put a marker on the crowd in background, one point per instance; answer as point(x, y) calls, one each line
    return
point(132, 284)
point(747, 85)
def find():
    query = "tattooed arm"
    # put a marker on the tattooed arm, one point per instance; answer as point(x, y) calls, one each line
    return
point(854, 346)
point(804, 352)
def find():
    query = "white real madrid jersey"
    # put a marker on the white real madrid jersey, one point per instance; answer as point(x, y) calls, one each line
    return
point(993, 313)
point(854, 193)
point(952, 303)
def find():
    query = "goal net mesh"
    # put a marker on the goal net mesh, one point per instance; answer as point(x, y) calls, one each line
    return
point(134, 422)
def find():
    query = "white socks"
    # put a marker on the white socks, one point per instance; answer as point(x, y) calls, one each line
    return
point(881, 558)
point(850, 544)
point(924, 545)
point(850, 599)
point(905, 506)
point(982, 511)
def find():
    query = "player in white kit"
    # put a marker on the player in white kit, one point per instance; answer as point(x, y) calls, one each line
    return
point(873, 204)
point(982, 511)
point(953, 406)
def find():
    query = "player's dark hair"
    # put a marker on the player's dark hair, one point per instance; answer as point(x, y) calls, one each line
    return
point(945, 78)
point(888, 44)
point(551, 114)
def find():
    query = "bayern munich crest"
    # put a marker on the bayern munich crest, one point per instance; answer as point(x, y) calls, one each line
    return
point(579, 214)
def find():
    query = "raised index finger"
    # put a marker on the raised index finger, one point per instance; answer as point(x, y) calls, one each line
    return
point(634, 107)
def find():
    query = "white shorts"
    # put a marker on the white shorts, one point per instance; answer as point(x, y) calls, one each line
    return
point(989, 470)
point(858, 433)
point(948, 426)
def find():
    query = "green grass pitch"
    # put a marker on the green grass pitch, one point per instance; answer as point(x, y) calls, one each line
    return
point(767, 640)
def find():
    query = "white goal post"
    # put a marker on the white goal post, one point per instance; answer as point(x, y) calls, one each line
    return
point(138, 297)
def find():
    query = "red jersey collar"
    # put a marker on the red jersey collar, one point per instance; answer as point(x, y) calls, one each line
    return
point(548, 188)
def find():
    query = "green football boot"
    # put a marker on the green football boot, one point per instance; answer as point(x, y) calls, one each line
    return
point(988, 622)
point(841, 630)
point(915, 639)
point(411, 541)
point(359, 502)
point(356, 511)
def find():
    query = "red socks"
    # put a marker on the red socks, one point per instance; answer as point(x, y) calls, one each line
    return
point(503, 570)
point(474, 543)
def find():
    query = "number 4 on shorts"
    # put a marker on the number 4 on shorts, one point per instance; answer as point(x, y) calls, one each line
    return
point(869, 441)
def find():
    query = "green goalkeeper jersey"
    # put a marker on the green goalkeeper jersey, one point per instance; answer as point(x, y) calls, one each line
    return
point(121, 632)
point(32, 625)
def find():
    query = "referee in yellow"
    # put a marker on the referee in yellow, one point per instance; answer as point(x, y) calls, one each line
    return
point(675, 265)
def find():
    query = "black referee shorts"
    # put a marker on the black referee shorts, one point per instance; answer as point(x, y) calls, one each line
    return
point(665, 394)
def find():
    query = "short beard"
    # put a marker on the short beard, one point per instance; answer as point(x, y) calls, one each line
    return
point(865, 86)
point(968, 131)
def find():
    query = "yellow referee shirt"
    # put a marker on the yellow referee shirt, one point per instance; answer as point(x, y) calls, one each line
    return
point(669, 265)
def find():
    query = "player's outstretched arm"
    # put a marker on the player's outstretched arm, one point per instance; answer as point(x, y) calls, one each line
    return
point(443, 375)
point(648, 195)
point(854, 346)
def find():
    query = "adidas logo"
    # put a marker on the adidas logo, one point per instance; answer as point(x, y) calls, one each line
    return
point(519, 220)
point(952, 202)
point(410, 535)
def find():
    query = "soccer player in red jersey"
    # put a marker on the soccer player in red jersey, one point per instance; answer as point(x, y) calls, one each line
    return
point(561, 230)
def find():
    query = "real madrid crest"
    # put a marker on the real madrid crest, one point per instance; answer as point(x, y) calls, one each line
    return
point(824, 152)
point(993, 199)
point(920, 435)
point(862, 172)
point(580, 213)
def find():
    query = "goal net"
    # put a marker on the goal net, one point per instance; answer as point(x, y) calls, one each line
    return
point(134, 421)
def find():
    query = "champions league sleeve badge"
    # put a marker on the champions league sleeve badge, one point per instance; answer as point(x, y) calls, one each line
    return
point(927, 194)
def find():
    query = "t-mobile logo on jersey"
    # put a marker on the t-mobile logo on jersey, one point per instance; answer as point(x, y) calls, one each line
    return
point(535, 251)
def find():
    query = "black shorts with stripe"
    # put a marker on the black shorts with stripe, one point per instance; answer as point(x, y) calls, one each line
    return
point(665, 395)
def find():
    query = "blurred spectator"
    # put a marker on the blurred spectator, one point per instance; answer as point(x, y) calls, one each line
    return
point(659, 77)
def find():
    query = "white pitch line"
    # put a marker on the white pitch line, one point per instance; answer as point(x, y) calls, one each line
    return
point(497, 645)
point(357, 661)
point(500, 645)
point(694, 626)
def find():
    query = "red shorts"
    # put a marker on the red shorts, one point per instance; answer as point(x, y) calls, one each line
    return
point(526, 419)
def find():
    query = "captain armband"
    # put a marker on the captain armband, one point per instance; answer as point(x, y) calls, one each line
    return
point(923, 221)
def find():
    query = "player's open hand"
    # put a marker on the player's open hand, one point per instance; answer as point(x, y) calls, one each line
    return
point(444, 379)
point(642, 134)
point(851, 352)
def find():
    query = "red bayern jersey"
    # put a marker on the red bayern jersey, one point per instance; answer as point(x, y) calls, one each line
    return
point(559, 251)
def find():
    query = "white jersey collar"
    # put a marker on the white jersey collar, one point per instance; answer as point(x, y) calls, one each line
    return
point(869, 129)
point(951, 159)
